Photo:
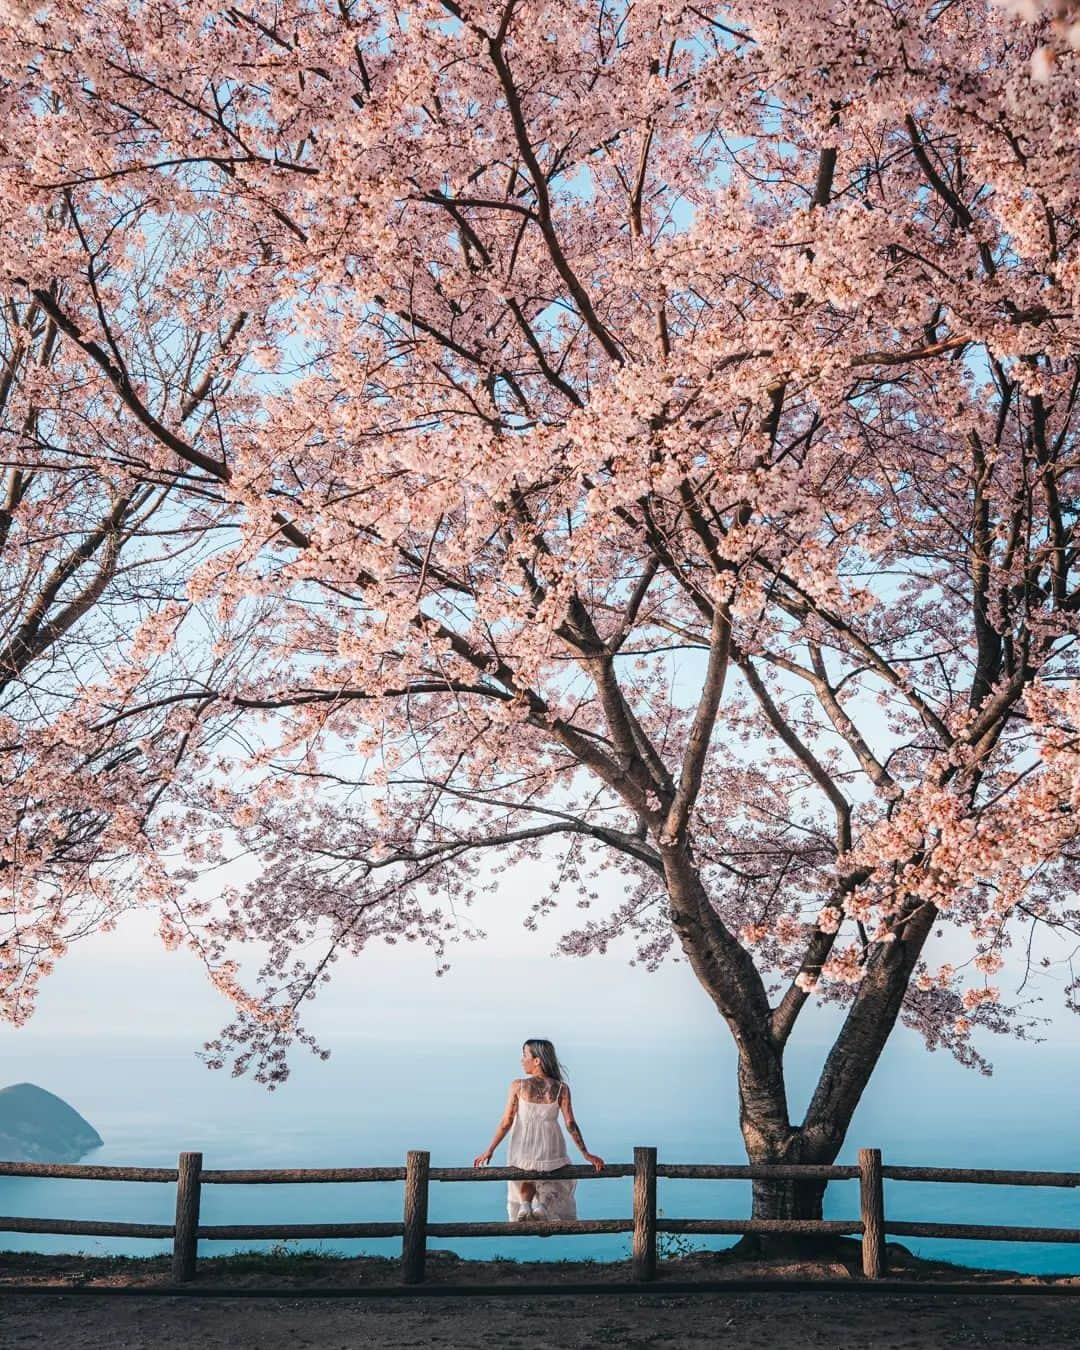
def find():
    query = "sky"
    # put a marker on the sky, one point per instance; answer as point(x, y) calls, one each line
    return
point(420, 1062)
point(106, 985)
point(122, 1018)
point(506, 986)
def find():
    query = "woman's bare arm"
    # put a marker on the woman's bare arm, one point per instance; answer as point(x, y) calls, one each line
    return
point(507, 1120)
point(574, 1132)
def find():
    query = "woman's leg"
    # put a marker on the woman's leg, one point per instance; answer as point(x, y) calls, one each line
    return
point(518, 1193)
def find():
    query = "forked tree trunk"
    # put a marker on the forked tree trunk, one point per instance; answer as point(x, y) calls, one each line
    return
point(728, 974)
point(848, 1067)
point(770, 1139)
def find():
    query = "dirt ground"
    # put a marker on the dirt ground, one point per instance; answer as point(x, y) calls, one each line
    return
point(775, 1321)
point(34, 1315)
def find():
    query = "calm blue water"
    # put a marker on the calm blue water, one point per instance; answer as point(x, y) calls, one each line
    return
point(369, 1104)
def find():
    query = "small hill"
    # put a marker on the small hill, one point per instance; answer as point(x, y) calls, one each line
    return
point(38, 1126)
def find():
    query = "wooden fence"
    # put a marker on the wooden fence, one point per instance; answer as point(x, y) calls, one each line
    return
point(644, 1225)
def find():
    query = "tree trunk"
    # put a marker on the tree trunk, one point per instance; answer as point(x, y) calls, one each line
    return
point(771, 1139)
point(785, 1199)
point(845, 1074)
point(727, 972)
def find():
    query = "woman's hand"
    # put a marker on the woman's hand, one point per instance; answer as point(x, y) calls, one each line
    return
point(483, 1159)
point(598, 1163)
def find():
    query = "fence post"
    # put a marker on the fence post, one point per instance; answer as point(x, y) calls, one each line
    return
point(414, 1239)
point(185, 1234)
point(643, 1249)
point(872, 1213)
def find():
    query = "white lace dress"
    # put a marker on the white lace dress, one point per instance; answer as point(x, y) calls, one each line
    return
point(537, 1143)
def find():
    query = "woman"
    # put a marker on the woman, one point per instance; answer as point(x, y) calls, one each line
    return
point(536, 1141)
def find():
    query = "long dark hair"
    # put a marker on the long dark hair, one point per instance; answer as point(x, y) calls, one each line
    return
point(544, 1051)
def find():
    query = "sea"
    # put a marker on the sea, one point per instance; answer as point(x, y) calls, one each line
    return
point(149, 1097)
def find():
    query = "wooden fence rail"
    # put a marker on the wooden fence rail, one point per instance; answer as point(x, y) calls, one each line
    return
point(644, 1225)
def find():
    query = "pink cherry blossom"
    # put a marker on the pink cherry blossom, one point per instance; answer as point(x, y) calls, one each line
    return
point(640, 441)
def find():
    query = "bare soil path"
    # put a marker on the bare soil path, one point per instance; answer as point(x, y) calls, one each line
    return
point(760, 1321)
point(254, 1302)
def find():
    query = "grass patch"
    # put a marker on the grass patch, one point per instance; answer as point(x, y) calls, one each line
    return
point(280, 1258)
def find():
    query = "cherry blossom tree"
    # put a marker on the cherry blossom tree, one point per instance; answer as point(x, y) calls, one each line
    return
point(91, 540)
point(652, 448)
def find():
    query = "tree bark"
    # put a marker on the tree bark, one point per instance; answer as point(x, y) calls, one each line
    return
point(770, 1138)
point(847, 1070)
point(727, 973)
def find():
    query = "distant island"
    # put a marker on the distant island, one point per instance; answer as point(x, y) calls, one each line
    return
point(38, 1126)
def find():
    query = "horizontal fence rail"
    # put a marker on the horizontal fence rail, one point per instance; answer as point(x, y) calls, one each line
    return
point(982, 1176)
point(644, 1225)
point(756, 1172)
point(75, 1172)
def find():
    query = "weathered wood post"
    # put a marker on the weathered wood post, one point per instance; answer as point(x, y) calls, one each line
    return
point(414, 1239)
point(872, 1213)
point(185, 1234)
point(643, 1250)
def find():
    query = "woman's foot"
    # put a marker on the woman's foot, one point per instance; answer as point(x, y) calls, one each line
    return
point(524, 1212)
point(538, 1210)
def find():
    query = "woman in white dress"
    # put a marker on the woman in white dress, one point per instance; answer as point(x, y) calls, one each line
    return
point(536, 1141)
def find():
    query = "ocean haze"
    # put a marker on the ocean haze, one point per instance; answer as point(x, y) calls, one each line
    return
point(370, 1103)
point(423, 1063)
